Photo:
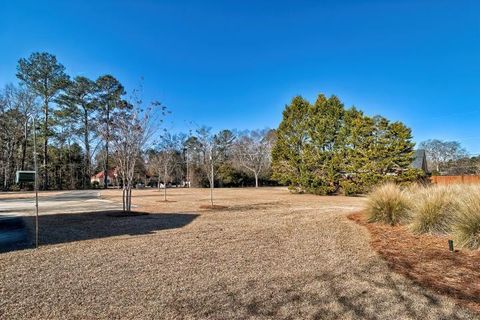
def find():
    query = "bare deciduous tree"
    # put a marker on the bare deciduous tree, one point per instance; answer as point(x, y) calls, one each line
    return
point(164, 158)
point(131, 130)
point(252, 152)
point(440, 152)
point(212, 148)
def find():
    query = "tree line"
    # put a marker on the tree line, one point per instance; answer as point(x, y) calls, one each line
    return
point(70, 114)
point(86, 126)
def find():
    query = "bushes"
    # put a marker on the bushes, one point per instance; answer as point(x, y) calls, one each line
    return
point(466, 228)
point(437, 209)
point(388, 204)
point(433, 209)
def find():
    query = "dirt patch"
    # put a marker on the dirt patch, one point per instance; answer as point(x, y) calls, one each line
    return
point(427, 260)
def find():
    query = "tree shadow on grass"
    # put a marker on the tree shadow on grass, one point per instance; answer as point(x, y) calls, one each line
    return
point(64, 228)
point(355, 294)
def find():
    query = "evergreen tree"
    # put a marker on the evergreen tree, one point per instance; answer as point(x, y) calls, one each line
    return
point(324, 148)
point(78, 103)
point(289, 163)
point(110, 91)
point(46, 77)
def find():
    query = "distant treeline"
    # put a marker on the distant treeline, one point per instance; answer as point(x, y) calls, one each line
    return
point(320, 148)
point(74, 118)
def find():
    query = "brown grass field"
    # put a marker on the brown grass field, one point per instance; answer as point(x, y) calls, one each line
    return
point(262, 254)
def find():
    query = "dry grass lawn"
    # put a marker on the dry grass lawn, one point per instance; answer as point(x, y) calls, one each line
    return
point(268, 254)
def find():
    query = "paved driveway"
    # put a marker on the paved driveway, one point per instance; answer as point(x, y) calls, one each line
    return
point(16, 215)
point(68, 202)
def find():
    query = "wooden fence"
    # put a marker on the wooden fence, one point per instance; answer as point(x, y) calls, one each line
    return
point(455, 179)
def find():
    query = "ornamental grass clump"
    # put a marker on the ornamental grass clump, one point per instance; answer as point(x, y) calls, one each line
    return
point(466, 228)
point(433, 209)
point(388, 204)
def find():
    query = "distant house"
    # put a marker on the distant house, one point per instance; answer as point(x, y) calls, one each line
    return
point(420, 160)
point(99, 178)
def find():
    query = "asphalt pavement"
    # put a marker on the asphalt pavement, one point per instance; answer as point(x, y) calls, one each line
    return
point(67, 202)
point(14, 232)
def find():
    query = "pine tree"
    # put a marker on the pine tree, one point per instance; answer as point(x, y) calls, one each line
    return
point(46, 77)
point(78, 103)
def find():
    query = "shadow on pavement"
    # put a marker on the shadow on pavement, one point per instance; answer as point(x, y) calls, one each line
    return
point(64, 228)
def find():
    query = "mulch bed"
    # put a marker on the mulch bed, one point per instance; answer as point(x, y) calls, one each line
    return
point(427, 260)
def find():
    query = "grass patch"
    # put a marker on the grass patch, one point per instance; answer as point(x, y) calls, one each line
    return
point(388, 204)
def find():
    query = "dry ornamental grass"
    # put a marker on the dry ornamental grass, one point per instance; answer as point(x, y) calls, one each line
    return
point(433, 209)
point(388, 203)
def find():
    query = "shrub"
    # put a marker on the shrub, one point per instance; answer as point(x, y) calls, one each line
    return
point(466, 228)
point(388, 204)
point(433, 209)
point(350, 188)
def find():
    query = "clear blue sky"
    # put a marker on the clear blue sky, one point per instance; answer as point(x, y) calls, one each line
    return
point(235, 64)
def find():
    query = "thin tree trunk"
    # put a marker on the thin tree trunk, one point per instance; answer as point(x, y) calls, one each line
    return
point(212, 181)
point(165, 185)
point(24, 147)
point(106, 148)
point(256, 180)
point(123, 198)
point(86, 177)
point(129, 202)
point(165, 193)
point(5, 175)
point(45, 147)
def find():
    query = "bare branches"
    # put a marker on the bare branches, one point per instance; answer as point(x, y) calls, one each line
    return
point(131, 130)
point(166, 156)
point(252, 152)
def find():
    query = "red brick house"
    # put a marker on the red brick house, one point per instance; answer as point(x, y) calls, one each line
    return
point(112, 178)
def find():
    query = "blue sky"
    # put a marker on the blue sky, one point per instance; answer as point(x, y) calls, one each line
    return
point(235, 64)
